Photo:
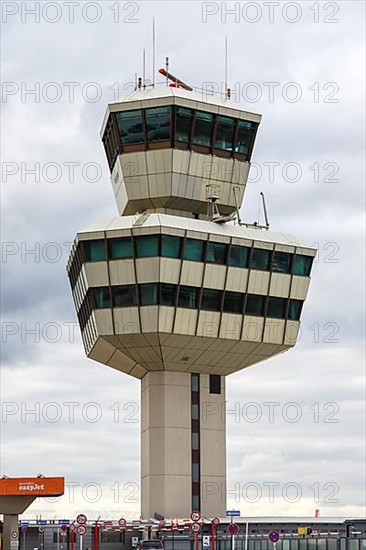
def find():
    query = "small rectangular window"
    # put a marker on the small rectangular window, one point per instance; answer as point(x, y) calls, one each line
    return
point(238, 256)
point(245, 136)
point(203, 129)
point(188, 297)
point(233, 302)
point(147, 246)
point(224, 133)
point(211, 299)
point(94, 251)
point(195, 501)
point(130, 125)
point(120, 248)
point(195, 472)
point(302, 265)
point(294, 310)
point(195, 442)
point(215, 383)
point(102, 297)
point(183, 124)
point(216, 253)
point(124, 296)
point(276, 307)
point(193, 250)
point(281, 262)
point(158, 123)
point(195, 382)
point(260, 259)
point(195, 412)
point(167, 294)
point(254, 305)
point(149, 294)
point(170, 246)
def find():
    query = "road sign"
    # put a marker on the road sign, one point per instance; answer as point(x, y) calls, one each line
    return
point(274, 536)
point(41, 522)
point(24, 529)
point(63, 527)
point(122, 522)
point(14, 535)
point(195, 527)
point(233, 528)
point(134, 541)
point(216, 521)
point(195, 515)
point(72, 527)
point(64, 522)
point(206, 542)
point(233, 513)
point(41, 529)
point(81, 519)
point(81, 530)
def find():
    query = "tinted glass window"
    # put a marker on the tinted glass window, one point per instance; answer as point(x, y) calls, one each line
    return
point(215, 383)
point(124, 296)
point(183, 124)
point(238, 256)
point(203, 129)
point(211, 299)
point(302, 265)
point(245, 136)
point(281, 262)
point(158, 121)
point(195, 412)
point(102, 297)
point(149, 294)
point(276, 308)
point(260, 258)
point(195, 382)
point(188, 297)
point(233, 302)
point(147, 246)
point(195, 442)
point(167, 294)
point(224, 133)
point(254, 305)
point(294, 310)
point(193, 250)
point(130, 126)
point(94, 251)
point(120, 248)
point(170, 246)
point(195, 472)
point(216, 253)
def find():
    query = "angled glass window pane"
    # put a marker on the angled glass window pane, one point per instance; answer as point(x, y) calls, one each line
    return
point(260, 259)
point(195, 442)
point(211, 299)
point(130, 126)
point(188, 297)
point(193, 250)
point(245, 136)
point(233, 302)
point(183, 124)
point(238, 256)
point(149, 294)
point(276, 307)
point(120, 248)
point(302, 265)
point(203, 129)
point(170, 246)
point(158, 122)
point(147, 246)
point(95, 251)
point(282, 262)
point(294, 310)
point(167, 294)
point(102, 297)
point(224, 133)
point(254, 305)
point(216, 253)
point(124, 296)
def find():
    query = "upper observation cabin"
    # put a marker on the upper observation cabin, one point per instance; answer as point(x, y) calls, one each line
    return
point(169, 148)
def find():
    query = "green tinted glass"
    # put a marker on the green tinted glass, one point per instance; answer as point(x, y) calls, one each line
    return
point(233, 302)
point(276, 308)
point(102, 297)
point(281, 262)
point(120, 248)
point(238, 256)
point(260, 259)
point(203, 129)
point(211, 299)
point(224, 139)
point(149, 294)
point(147, 246)
point(170, 246)
point(216, 253)
point(302, 265)
point(294, 310)
point(124, 296)
point(130, 126)
point(94, 251)
point(254, 305)
point(193, 250)
point(183, 124)
point(188, 297)
point(158, 122)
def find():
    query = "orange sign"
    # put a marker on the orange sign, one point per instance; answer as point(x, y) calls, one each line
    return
point(32, 486)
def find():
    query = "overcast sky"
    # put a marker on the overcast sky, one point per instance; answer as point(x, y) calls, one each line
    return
point(301, 66)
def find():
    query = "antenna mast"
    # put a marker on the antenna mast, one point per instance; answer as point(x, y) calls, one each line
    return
point(143, 68)
point(153, 51)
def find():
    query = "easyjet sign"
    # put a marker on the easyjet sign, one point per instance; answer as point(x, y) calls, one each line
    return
point(43, 486)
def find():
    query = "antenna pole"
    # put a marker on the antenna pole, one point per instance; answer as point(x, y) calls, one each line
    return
point(143, 68)
point(153, 51)
point(167, 70)
point(226, 63)
point(264, 209)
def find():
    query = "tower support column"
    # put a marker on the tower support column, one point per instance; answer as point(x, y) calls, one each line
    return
point(182, 435)
point(10, 526)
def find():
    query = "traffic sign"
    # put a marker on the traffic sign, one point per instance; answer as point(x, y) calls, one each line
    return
point(81, 519)
point(63, 527)
point(64, 522)
point(14, 535)
point(233, 513)
point(274, 536)
point(195, 527)
point(81, 530)
point(216, 521)
point(206, 542)
point(41, 529)
point(41, 522)
point(24, 529)
point(122, 522)
point(72, 527)
point(233, 528)
point(195, 515)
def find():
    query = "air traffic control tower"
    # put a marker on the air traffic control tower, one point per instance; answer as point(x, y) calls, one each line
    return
point(175, 291)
